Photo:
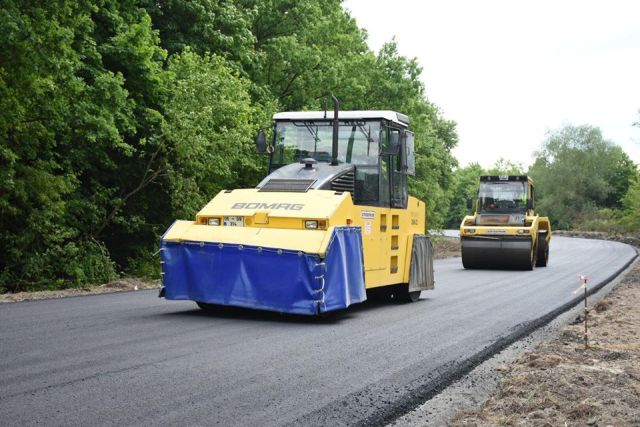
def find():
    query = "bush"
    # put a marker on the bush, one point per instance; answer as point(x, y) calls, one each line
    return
point(145, 265)
point(605, 220)
point(72, 265)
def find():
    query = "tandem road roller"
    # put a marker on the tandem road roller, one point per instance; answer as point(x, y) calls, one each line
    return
point(505, 231)
point(330, 223)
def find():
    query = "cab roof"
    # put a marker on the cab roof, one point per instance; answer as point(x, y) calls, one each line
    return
point(512, 178)
point(399, 118)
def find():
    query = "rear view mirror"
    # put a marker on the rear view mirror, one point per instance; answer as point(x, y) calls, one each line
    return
point(529, 204)
point(410, 159)
point(469, 203)
point(261, 142)
point(400, 160)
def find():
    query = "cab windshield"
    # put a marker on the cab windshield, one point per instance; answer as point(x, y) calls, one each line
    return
point(503, 197)
point(358, 142)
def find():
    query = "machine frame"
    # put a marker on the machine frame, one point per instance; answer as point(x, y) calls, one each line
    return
point(516, 238)
point(308, 218)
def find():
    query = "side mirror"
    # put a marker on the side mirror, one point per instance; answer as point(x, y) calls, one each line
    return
point(410, 159)
point(469, 203)
point(529, 204)
point(401, 159)
point(261, 142)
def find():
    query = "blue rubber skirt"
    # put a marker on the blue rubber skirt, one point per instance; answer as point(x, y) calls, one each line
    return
point(267, 278)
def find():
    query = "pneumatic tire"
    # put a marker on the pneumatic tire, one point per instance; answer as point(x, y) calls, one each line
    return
point(206, 306)
point(402, 294)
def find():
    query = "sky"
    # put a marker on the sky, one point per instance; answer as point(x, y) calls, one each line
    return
point(510, 72)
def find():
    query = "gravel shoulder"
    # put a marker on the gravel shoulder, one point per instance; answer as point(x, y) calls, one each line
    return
point(549, 378)
point(444, 247)
point(562, 383)
point(122, 285)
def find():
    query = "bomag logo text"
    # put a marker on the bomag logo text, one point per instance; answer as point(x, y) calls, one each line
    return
point(285, 206)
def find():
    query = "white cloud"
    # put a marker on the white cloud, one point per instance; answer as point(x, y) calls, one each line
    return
point(507, 72)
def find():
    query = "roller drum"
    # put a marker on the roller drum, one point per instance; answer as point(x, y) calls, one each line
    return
point(498, 252)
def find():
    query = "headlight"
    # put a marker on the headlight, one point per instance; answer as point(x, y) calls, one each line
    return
point(213, 221)
point(471, 230)
point(311, 224)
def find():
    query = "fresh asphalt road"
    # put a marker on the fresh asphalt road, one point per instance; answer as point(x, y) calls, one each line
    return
point(133, 359)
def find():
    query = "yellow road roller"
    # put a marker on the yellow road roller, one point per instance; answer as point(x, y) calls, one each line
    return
point(330, 224)
point(505, 231)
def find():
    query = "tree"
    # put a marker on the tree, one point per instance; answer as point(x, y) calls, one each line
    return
point(210, 127)
point(465, 185)
point(577, 172)
point(205, 26)
point(119, 116)
point(631, 202)
point(393, 82)
point(304, 49)
point(504, 166)
point(79, 85)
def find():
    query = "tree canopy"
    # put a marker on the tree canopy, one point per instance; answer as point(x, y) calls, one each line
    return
point(120, 116)
point(578, 172)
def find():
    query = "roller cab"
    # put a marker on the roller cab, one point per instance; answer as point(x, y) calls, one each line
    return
point(505, 231)
point(330, 224)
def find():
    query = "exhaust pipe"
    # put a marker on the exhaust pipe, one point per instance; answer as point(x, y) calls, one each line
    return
point(336, 128)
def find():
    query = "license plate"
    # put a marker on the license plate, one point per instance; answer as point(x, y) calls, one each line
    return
point(233, 221)
point(496, 231)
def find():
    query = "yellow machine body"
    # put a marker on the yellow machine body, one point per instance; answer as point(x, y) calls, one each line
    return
point(329, 226)
point(278, 220)
point(509, 238)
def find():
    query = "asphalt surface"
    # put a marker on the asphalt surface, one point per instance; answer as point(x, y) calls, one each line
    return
point(133, 359)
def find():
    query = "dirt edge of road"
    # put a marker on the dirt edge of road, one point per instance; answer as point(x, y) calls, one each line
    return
point(548, 378)
point(444, 247)
point(562, 383)
point(121, 285)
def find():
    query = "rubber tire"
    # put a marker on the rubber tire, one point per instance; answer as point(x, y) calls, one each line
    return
point(206, 306)
point(383, 294)
point(543, 253)
point(401, 294)
point(413, 296)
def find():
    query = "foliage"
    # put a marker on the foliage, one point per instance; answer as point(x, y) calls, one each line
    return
point(604, 220)
point(630, 218)
point(209, 130)
point(504, 166)
point(465, 186)
point(119, 116)
point(631, 202)
point(465, 182)
point(394, 83)
point(204, 26)
point(67, 72)
point(577, 172)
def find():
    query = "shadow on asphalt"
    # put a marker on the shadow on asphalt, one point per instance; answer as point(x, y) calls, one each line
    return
point(334, 317)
